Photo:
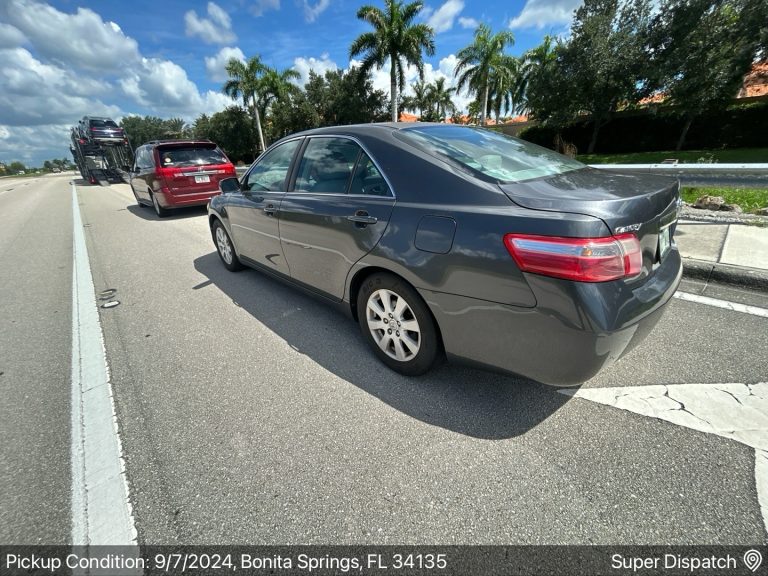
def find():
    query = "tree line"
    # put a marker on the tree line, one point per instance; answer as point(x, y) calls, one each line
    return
point(618, 52)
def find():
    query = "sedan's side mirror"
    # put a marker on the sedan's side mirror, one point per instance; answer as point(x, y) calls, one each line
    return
point(229, 185)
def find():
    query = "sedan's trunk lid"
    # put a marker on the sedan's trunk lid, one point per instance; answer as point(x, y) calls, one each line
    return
point(618, 199)
point(646, 205)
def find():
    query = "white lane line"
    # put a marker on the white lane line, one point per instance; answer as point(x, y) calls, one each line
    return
point(735, 411)
point(734, 306)
point(761, 481)
point(101, 511)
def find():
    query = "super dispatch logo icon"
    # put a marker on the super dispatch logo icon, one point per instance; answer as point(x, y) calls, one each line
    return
point(753, 559)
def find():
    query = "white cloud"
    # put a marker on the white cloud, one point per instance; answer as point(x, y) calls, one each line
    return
point(61, 66)
point(542, 13)
point(216, 29)
point(10, 36)
point(216, 65)
point(36, 94)
point(468, 22)
point(80, 40)
point(163, 86)
point(32, 144)
point(319, 66)
point(311, 12)
point(260, 6)
point(441, 20)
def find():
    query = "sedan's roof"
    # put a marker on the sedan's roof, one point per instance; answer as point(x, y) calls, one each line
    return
point(369, 128)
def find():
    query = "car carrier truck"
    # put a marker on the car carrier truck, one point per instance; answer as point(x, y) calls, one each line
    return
point(101, 151)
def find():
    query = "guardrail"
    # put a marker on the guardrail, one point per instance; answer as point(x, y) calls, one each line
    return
point(703, 175)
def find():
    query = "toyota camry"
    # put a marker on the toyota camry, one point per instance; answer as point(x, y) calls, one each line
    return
point(443, 240)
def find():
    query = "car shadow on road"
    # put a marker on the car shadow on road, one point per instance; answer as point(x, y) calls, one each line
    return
point(148, 213)
point(465, 400)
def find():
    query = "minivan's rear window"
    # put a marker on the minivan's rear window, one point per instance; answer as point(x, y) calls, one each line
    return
point(490, 154)
point(178, 156)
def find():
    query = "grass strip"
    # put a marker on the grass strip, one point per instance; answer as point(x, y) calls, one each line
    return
point(750, 199)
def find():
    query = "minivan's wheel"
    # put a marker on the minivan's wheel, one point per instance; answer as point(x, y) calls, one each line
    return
point(159, 210)
point(397, 324)
point(138, 202)
point(225, 248)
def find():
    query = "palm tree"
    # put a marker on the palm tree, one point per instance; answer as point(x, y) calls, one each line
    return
point(175, 128)
point(395, 37)
point(534, 62)
point(440, 97)
point(478, 61)
point(420, 99)
point(243, 82)
point(503, 90)
point(274, 86)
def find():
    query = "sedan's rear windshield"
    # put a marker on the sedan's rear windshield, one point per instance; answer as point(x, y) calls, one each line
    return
point(490, 154)
point(179, 156)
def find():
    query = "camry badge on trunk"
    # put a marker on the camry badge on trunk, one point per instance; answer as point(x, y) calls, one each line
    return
point(629, 228)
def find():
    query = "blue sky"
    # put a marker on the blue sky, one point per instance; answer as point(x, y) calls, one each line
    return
point(67, 58)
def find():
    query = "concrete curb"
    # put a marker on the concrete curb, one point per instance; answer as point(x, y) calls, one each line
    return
point(753, 278)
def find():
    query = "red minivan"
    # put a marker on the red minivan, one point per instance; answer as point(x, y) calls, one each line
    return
point(176, 173)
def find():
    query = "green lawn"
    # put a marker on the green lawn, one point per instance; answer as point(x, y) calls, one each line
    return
point(686, 156)
point(750, 199)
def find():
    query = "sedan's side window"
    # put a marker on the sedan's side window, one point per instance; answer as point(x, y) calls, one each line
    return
point(269, 174)
point(367, 179)
point(326, 166)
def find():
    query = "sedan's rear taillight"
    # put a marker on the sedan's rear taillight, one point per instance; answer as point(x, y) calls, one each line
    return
point(579, 259)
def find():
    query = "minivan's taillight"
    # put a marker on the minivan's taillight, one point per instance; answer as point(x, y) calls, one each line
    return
point(168, 173)
point(579, 259)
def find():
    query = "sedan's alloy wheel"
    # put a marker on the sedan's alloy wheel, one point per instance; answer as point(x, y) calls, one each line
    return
point(225, 248)
point(393, 325)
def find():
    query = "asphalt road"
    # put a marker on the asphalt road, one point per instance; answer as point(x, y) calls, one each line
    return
point(35, 356)
point(251, 413)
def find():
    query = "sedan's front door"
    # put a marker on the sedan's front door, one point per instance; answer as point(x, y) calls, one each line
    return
point(335, 214)
point(254, 214)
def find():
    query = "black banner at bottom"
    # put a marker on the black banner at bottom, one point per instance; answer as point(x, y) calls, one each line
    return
point(372, 560)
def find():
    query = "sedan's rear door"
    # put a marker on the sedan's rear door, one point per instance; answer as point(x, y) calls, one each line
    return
point(334, 214)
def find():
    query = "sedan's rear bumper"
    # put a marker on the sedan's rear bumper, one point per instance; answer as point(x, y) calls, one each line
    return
point(574, 331)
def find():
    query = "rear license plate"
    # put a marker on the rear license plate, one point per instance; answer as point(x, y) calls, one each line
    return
point(664, 242)
point(202, 179)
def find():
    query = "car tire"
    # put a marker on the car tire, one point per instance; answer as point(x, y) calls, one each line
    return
point(225, 248)
point(411, 345)
point(138, 202)
point(159, 210)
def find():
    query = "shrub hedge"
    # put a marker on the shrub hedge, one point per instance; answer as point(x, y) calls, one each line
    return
point(739, 126)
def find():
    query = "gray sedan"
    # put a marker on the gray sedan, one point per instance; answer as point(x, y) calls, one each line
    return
point(453, 241)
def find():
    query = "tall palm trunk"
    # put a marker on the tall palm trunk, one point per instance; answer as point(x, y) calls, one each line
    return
point(393, 87)
point(485, 104)
point(257, 119)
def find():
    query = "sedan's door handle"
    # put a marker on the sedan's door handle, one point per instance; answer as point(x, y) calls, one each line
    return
point(269, 210)
point(362, 217)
